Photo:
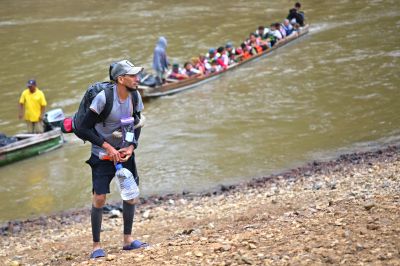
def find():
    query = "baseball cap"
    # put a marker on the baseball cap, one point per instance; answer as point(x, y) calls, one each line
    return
point(123, 67)
point(31, 82)
point(229, 45)
point(211, 51)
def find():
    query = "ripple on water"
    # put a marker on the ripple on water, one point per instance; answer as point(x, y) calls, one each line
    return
point(28, 21)
point(367, 96)
point(395, 53)
point(85, 38)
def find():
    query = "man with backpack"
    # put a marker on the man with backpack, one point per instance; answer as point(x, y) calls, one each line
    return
point(98, 122)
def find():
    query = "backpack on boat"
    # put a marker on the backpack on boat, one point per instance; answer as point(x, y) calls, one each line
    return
point(74, 124)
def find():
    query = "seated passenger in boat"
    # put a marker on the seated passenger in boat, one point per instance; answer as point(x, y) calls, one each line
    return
point(189, 70)
point(221, 53)
point(257, 46)
point(211, 54)
point(198, 64)
point(232, 53)
point(276, 32)
point(177, 73)
point(206, 63)
point(281, 29)
point(246, 51)
point(215, 66)
point(262, 32)
point(214, 56)
point(287, 27)
point(296, 29)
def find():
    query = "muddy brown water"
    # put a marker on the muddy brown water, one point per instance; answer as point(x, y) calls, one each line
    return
point(333, 91)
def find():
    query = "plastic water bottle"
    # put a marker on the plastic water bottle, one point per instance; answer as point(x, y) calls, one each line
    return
point(126, 183)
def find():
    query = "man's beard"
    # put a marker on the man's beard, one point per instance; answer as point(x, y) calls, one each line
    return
point(131, 89)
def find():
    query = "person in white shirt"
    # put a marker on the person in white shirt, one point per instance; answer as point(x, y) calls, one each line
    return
point(189, 70)
point(224, 57)
point(276, 32)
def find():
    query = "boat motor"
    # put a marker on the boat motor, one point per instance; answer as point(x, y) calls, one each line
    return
point(147, 79)
point(53, 119)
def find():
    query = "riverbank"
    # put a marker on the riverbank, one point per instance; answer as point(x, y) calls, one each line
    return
point(345, 211)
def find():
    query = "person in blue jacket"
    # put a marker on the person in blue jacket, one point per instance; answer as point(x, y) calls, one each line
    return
point(160, 59)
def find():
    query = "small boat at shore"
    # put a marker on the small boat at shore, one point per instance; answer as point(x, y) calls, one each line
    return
point(186, 84)
point(28, 145)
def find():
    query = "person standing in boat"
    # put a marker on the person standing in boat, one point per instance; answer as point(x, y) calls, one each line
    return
point(296, 16)
point(32, 104)
point(160, 59)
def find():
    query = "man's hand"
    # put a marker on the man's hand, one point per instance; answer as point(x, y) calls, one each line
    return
point(112, 152)
point(126, 153)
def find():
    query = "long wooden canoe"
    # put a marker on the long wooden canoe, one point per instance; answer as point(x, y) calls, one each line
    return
point(186, 84)
point(29, 145)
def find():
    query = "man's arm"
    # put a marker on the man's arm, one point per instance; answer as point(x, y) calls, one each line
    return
point(42, 111)
point(20, 110)
point(43, 104)
point(88, 132)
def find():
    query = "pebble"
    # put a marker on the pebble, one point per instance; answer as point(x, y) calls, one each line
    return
point(111, 257)
point(317, 186)
point(183, 201)
point(331, 185)
point(246, 260)
point(15, 263)
point(359, 247)
point(115, 214)
point(146, 214)
point(372, 226)
point(198, 254)
point(252, 246)
point(369, 205)
point(226, 247)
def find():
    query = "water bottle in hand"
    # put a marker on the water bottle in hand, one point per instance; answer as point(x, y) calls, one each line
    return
point(126, 183)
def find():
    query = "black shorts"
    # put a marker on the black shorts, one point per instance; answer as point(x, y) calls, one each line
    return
point(104, 171)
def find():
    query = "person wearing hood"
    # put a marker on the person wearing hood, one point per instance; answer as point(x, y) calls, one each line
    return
point(160, 60)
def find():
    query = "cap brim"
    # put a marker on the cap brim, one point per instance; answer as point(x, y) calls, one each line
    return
point(135, 71)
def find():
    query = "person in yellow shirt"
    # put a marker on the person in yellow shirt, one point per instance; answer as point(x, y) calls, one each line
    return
point(32, 104)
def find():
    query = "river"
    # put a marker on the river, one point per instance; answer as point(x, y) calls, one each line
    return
point(335, 90)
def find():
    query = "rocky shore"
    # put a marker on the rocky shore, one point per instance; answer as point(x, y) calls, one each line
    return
point(345, 211)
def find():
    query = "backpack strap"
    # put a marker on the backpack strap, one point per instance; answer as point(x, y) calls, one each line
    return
point(135, 102)
point(109, 93)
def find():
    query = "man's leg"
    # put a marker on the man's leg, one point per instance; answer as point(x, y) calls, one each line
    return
point(38, 127)
point(159, 77)
point(128, 212)
point(29, 126)
point(96, 218)
point(128, 207)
